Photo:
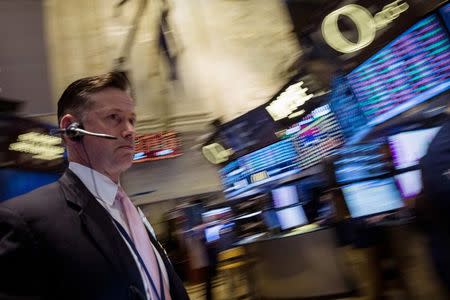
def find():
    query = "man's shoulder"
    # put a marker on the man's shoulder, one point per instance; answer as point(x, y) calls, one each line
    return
point(40, 199)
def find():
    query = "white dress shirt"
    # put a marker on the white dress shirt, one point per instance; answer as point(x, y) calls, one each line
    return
point(105, 190)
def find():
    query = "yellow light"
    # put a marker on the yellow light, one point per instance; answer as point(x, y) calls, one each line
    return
point(39, 138)
point(216, 153)
point(296, 114)
point(39, 144)
point(288, 101)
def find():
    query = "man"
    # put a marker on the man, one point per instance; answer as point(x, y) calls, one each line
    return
point(434, 204)
point(81, 237)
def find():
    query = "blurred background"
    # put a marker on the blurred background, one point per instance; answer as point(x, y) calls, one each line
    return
point(279, 141)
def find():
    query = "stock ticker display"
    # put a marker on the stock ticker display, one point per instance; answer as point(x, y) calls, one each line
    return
point(269, 163)
point(317, 136)
point(346, 108)
point(156, 146)
point(410, 70)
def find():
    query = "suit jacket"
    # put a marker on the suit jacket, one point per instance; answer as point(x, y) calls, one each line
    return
point(58, 242)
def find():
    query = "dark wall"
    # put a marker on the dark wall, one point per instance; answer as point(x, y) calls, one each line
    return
point(23, 63)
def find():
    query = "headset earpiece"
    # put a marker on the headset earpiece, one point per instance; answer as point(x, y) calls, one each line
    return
point(71, 133)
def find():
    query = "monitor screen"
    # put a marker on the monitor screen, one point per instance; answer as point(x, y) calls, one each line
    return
point(409, 147)
point(359, 162)
point(285, 196)
point(213, 233)
point(156, 146)
point(409, 183)
point(271, 219)
point(343, 103)
point(216, 214)
point(249, 132)
point(263, 165)
point(292, 217)
point(372, 197)
point(317, 136)
point(411, 69)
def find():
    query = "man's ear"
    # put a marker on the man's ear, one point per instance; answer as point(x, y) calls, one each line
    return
point(66, 120)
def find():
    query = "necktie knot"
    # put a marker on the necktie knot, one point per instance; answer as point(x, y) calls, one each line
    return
point(120, 195)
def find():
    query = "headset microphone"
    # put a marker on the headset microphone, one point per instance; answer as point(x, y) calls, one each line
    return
point(74, 131)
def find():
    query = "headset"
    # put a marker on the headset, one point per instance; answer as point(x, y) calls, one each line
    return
point(75, 132)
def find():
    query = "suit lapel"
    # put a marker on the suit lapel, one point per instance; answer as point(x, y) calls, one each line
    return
point(99, 226)
point(101, 230)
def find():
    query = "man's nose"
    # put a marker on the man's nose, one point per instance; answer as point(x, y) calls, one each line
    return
point(129, 130)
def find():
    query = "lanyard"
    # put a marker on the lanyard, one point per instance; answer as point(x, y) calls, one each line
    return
point(141, 261)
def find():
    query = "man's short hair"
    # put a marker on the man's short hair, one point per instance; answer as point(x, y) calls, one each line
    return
point(75, 98)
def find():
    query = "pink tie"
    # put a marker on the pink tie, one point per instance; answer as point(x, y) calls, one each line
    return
point(142, 242)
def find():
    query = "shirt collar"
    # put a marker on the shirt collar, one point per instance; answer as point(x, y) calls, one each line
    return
point(102, 187)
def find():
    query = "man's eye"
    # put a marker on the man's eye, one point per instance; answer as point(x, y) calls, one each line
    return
point(114, 117)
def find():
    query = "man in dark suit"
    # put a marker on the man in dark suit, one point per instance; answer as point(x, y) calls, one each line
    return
point(80, 237)
point(434, 204)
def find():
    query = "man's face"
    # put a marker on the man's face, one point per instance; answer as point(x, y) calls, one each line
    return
point(112, 113)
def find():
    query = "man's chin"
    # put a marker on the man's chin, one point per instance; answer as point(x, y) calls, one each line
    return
point(126, 165)
point(122, 165)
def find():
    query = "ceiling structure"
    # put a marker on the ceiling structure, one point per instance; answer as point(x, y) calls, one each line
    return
point(231, 56)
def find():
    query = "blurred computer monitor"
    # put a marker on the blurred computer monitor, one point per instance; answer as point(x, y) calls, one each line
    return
point(212, 233)
point(291, 217)
point(372, 197)
point(409, 183)
point(360, 162)
point(285, 196)
point(409, 147)
point(411, 69)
